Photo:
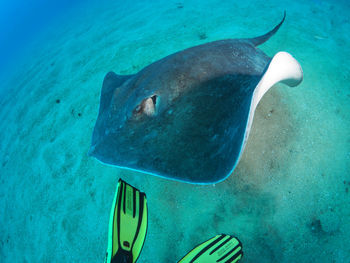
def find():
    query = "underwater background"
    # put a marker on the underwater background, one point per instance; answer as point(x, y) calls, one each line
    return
point(288, 199)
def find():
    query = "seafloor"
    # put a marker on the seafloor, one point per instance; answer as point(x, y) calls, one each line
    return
point(287, 201)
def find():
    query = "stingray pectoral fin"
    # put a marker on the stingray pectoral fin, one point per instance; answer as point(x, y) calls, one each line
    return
point(111, 82)
point(283, 68)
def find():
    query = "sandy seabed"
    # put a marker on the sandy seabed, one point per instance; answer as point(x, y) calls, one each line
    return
point(288, 199)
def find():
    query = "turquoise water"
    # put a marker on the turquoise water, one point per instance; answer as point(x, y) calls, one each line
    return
point(288, 200)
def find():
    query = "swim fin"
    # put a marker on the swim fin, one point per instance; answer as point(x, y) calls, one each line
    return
point(221, 248)
point(127, 224)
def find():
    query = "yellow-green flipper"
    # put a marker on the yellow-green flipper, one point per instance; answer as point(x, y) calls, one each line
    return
point(221, 248)
point(127, 224)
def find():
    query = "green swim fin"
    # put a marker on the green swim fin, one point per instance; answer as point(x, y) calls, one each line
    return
point(221, 248)
point(127, 224)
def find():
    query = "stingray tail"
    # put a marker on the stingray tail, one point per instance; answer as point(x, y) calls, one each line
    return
point(262, 39)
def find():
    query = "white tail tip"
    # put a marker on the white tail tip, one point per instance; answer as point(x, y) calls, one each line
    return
point(283, 68)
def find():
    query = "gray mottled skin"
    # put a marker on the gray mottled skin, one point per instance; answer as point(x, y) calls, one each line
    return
point(200, 102)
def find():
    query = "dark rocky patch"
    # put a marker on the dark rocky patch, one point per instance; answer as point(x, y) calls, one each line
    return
point(202, 36)
point(179, 5)
point(316, 226)
point(76, 115)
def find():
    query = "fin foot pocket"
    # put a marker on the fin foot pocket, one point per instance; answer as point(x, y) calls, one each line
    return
point(127, 224)
point(221, 248)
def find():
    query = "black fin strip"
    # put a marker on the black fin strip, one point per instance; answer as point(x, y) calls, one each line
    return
point(124, 197)
point(235, 256)
point(142, 197)
point(207, 247)
point(133, 202)
point(228, 253)
point(219, 246)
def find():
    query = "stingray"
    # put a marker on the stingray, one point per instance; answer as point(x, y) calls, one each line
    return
point(187, 116)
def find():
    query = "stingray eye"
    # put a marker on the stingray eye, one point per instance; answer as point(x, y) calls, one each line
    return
point(154, 99)
point(138, 108)
point(147, 106)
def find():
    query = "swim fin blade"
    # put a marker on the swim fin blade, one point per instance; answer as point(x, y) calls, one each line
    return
point(221, 248)
point(127, 224)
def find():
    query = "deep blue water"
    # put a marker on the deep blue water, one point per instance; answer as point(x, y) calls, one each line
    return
point(21, 21)
point(288, 199)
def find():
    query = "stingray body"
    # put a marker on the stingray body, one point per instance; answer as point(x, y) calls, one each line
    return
point(187, 116)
